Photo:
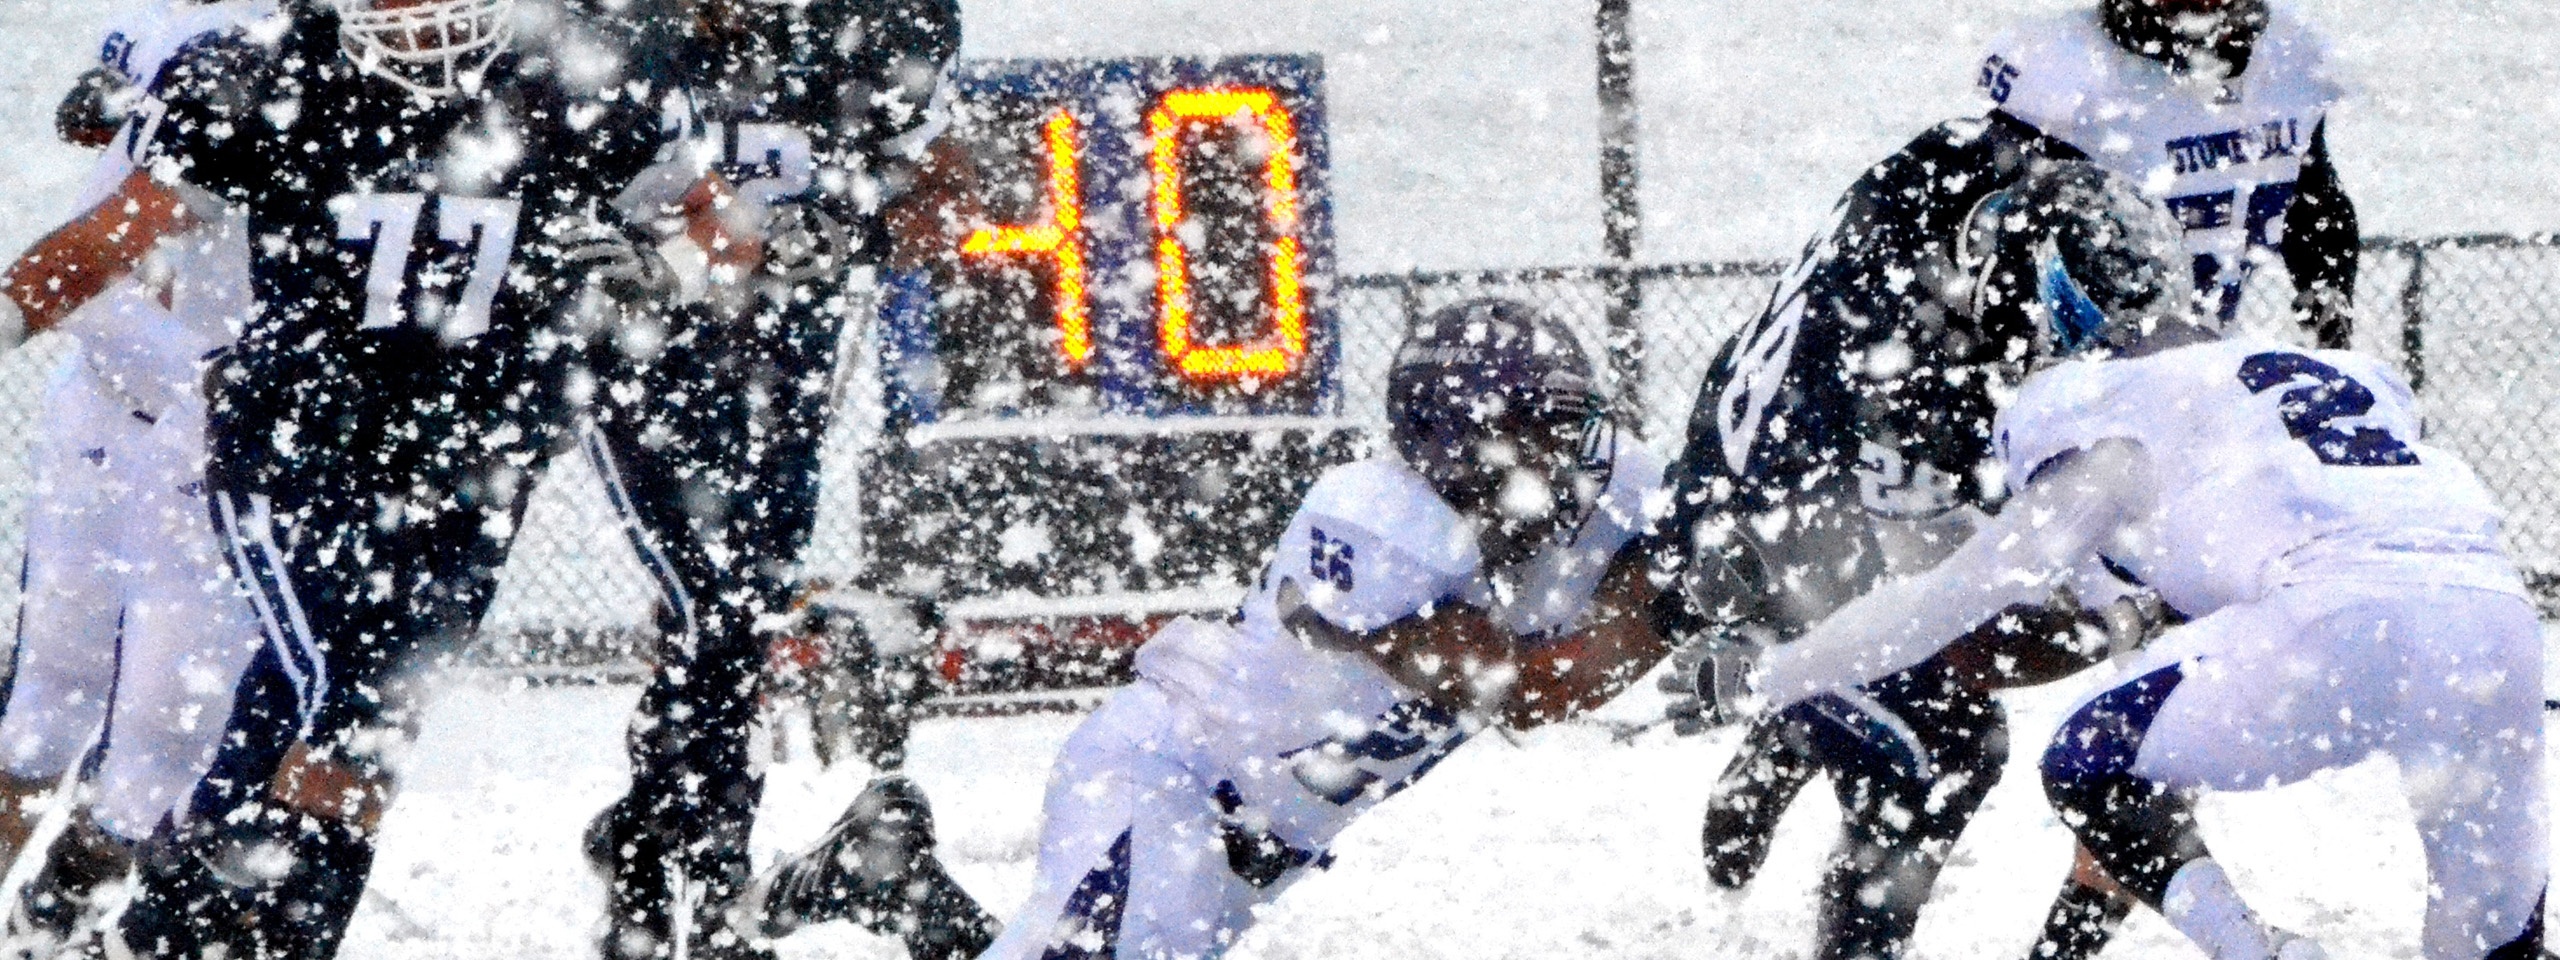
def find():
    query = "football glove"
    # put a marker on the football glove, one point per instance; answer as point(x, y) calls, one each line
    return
point(612, 262)
point(1710, 682)
point(2126, 624)
point(2328, 314)
point(2133, 620)
point(803, 242)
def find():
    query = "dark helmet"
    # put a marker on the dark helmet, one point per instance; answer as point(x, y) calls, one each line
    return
point(2188, 34)
point(2077, 255)
point(1495, 405)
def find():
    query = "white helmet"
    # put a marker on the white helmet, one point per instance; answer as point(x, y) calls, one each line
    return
point(426, 46)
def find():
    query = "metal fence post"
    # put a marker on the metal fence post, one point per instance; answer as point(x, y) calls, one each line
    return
point(2413, 311)
point(1621, 218)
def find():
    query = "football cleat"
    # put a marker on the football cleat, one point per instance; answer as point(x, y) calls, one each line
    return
point(875, 867)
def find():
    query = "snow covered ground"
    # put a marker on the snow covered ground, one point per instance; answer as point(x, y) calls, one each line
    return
point(1563, 844)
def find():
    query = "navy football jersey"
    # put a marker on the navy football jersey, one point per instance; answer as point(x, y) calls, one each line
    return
point(1856, 395)
point(406, 253)
point(830, 101)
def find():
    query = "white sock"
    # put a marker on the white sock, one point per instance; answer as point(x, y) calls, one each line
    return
point(2201, 904)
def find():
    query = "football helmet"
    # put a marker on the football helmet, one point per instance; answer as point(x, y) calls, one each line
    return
point(2079, 257)
point(2187, 34)
point(429, 47)
point(1493, 403)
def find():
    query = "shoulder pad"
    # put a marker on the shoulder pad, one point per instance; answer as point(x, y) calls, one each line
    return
point(2291, 50)
point(1385, 498)
point(2043, 71)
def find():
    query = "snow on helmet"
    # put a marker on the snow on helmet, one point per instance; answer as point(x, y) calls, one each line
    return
point(2077, 255)
point(2187, 34)
point(1494, 404)
point(428, 47)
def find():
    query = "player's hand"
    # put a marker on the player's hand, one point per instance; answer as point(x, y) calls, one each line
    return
point(2130, 622)
point(610, 261)
point(2327, 314)
point(1709, 681)
point(804, 242)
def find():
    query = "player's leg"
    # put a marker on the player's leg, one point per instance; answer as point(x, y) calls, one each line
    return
point(280, 837)
point(187, 637)
point(1827, 555)
point(715, 470)
point(71, 596)
point(1135, 860)
point(683, 823)
point(2085, 913)
point(1080, 886)
point(1767, 771)
point(2199, 713)
point(2470, 743)
point(1911, 759)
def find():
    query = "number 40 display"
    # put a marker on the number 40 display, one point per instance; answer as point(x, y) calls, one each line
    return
point(1118, 149)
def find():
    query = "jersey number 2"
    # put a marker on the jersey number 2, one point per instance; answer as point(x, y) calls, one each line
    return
point(484, 227)
point(2309, 411)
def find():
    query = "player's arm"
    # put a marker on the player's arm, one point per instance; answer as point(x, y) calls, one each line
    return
point(2321, 246)
point(1615, 643)
point(1457, 658)
point(80, 259)
point(2071, 505)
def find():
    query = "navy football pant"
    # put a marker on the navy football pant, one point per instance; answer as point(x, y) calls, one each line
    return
point(709, 452)
point(356, 591)
point(1910, 757)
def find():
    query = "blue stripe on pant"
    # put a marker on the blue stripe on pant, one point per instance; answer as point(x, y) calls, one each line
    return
point(2139, 831)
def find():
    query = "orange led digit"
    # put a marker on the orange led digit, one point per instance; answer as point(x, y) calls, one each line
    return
point(1278, 352)
point(1061, 237)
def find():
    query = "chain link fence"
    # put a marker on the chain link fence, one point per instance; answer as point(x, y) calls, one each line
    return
point(2475, 320)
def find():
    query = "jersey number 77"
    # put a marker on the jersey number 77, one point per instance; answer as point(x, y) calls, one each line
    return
point(482, 229)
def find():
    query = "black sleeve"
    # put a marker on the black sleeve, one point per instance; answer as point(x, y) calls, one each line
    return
point(2321, 246)
point(1898, 284)
point(204, 124)
point(889, 92)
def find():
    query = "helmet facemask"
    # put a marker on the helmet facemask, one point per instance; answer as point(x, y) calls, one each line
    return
point(1495, 410)
point(431, 48)
point(2078, 259)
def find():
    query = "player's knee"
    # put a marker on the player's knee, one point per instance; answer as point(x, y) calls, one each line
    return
point(2095, 749)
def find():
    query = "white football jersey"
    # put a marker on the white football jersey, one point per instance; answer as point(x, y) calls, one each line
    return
point(2272, 465)
point(1313, 736)
point(191, 296)
point(2223, 155)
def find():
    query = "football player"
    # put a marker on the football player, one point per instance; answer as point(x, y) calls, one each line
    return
point(1484, 575)
point(2349, 593)
point(1845, 433)
point(130, 621)
point(2217, 107)
point(431, 202)
point(708, 431)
